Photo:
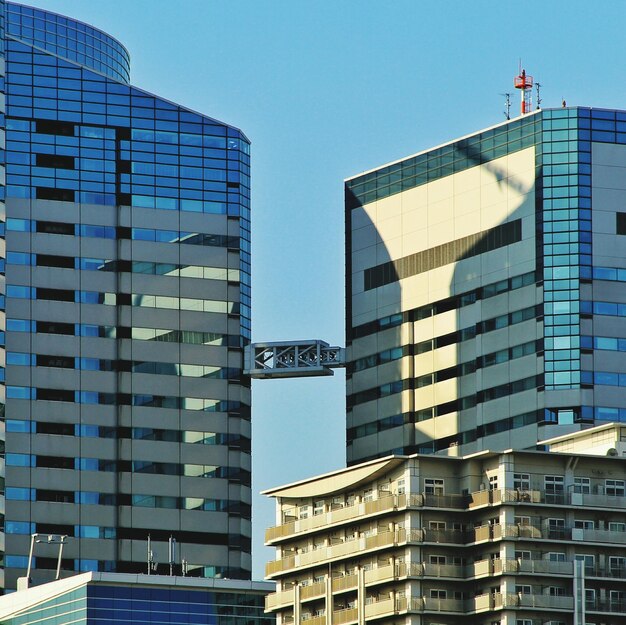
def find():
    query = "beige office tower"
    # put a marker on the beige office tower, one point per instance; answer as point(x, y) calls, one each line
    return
point(486, 293)
point(492, 538)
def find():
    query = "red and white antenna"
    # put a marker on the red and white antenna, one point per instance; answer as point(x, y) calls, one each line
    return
point(524, 83)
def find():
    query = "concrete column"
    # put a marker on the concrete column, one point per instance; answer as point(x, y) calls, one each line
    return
point(329, 597)
point(296, 604)
point(361, 596)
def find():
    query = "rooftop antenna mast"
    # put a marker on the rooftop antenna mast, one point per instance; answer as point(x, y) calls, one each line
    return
point(507, 105)
point(171, 553)
point(537, 87)
point(150, 554)
point(524, 83)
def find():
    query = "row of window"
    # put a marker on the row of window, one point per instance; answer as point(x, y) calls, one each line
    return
point(109, 499)
point(162, 335)
point(125, 399)
point(143, 300)
point(154, 434)
point(102, 608)
point(603, 378)
point(236, 441)
point(467, 436)
point(98, 364)
point(144, 267)
point(120, 232)
point(613, 309)
point(555, 484)
point(444, 254)
point(444, 305)
point(461, 403)
point(486, 360)
point(127, 466)
point(488, 325)
point(482, 327)
point(444, 161)
point(78, 531)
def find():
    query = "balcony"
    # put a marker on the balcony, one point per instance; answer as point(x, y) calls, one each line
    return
point(539, 567)
point(606, 606)
point(345, 582)
point(341, 617)
point(312, 591)
point(334, 517)
point(432, 604)
point(376, 609)
point(430, 570)
point(455, 537)
point(389, 503)
point(277, 600)
point(565, 603)
point(561, 499)
point(380, 574)
point(599, 536)
point(349, 548)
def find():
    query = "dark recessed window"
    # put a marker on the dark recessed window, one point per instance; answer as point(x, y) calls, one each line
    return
point(61, 195)
point(55, 327)
point(55, 394)
point(55, 462)
point(620, 226)
point(55, 227)
point(63, 362)
point(57, 161)
point(60, 295)
point(62, 429)
point(48, 260)
point(52, 127)
point(57, 496)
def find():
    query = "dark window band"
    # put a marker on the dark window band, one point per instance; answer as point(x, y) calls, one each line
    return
point(436, 308)
point(465, 247)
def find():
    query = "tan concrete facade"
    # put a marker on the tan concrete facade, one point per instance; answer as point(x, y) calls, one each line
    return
point(485, 284)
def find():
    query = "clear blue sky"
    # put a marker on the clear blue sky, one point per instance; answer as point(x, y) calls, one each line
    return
point(325, 90)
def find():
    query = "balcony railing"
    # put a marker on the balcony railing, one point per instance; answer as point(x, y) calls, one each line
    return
point(275, 600)
point(611, 606)
point(379, 608)
point(442, 570)
point(538, 566)
point(350, 615)
point(390, 502)
point(432, 604)
point(348, 548)
point(546, 601)
point(299, 526)
point(312, 590)
point(345, 582)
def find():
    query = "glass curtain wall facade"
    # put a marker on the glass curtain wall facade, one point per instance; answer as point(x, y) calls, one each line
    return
point(485, 288)
point(127, 304)
point(122, 599)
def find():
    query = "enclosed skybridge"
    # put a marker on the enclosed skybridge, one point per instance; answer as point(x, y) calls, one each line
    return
point(292, 359)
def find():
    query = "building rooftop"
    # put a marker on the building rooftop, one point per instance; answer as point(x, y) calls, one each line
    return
point(15, 602)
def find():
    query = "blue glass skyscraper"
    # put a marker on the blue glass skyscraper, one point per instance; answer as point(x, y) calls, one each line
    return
point(127, 305)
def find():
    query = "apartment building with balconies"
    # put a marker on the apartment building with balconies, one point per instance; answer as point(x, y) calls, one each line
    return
point(507, 538)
